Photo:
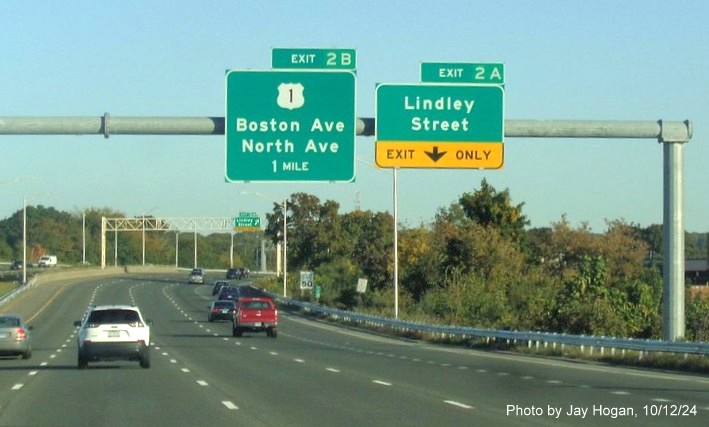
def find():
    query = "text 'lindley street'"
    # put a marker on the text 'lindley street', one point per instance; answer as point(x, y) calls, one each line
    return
point(439, 104)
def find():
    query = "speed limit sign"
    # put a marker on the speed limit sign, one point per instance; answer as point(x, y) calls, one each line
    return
point(307, 278)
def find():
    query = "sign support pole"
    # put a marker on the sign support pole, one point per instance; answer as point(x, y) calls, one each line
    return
point(396, 243)
point(285, 245)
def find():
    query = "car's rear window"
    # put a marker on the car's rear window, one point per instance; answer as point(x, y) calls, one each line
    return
point(6, 322)
point(222, 304)
point(256, 305)
point(113, 316)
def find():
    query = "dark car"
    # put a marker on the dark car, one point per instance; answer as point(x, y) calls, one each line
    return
point(232, 273)
point(229, 293)
point(244, 273)
point(16, 265)
point(250, 291)
point(218, 285)
point(221, 310)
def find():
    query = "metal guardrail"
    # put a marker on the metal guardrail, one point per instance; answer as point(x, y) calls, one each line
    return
point(531, 338)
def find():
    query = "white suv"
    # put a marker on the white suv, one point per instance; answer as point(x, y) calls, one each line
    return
point(113, 332)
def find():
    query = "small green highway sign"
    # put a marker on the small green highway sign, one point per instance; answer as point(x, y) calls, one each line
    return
point(247, 221)
point(462, 72)
point(290, 125)
point(342, 59)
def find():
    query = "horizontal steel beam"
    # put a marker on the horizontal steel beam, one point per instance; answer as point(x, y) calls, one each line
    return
point(106, 125)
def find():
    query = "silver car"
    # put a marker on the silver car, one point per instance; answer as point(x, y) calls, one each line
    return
point(15, 337)
point(197, 276)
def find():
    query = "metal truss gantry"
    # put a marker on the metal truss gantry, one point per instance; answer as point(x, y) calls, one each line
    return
point(150, 223)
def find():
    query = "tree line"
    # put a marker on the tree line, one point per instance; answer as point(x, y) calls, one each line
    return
point(478, 263)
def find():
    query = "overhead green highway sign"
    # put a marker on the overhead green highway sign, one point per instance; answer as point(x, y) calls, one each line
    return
point(247, 221)
point(435, 125)
point(290, 125)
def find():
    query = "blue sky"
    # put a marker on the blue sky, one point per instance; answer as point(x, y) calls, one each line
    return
point(564, 60)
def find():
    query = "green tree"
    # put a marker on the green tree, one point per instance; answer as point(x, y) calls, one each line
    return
point(368, 238)
point(488, 207)
point(697, 315)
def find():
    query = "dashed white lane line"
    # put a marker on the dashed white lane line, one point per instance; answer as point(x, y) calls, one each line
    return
point(458, 404)
point(229, 404)
point(202, 383)
point(381, 382)
point(299, 360)
point(32, 373)
point(620, 393)
point(17, 386)
point(185, 370)
point(332, 370)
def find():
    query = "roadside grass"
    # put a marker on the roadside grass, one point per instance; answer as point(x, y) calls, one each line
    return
point(697, 364)
point(7, 287)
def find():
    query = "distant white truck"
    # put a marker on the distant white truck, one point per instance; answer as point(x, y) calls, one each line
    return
point(47, 261)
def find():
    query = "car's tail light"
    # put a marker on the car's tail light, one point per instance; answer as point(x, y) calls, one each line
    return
point(20, 334)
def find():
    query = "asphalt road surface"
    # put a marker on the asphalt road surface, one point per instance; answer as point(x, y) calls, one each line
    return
point(313, 374)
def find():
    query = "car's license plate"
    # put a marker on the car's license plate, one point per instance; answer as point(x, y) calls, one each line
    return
point(4, 334)
point(114, 334)
point(225, 311)
point(257, 324)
